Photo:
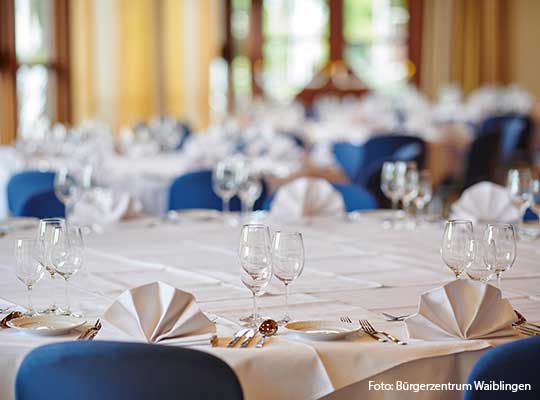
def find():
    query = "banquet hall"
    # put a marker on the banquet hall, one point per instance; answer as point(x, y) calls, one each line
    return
point(269, 199)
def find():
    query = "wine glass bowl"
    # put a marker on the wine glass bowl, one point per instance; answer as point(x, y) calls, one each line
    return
point(500, 248)
point(28, 266)
point(457, 251)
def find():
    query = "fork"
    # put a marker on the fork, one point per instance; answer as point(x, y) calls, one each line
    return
point(391, 317)
point(368, 327)
point(347, 320)
point(90, 333)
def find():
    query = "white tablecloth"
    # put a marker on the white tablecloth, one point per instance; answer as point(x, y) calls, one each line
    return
point(352, 268)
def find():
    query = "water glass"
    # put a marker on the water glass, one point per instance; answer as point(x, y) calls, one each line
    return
point(249, 190)
point(28, 267)
point(69, 187)
point(287, 262)
point(393, 181)
point(499, 248)
point(424, 195)
point(225, 181)
point(478, 271)
point(456, 249)
point(48, 228)
point(67, 257)
point(255, 260)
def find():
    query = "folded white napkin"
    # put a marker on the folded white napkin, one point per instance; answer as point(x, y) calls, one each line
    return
point(485, 202)
point(157, 313)
point(462, 309)
point(101, 206)
point(307, 197)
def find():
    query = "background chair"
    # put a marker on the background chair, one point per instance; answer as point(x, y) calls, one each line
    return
point(512, 363)
point(116, 370)
point(31, 194)
point(194, 190)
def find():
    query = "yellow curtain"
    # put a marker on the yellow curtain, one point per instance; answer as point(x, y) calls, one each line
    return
point(477, 43)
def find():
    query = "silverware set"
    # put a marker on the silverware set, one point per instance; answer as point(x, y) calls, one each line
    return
point(91, 332)
point(524, 327)
point(267, 328)
point(367, 328)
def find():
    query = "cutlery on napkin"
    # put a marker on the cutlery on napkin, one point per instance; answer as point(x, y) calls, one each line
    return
point(485, 202)
point(157, 313)
point(307, 197)
point(462, 309)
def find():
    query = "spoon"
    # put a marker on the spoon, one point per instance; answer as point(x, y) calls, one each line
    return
point(267, 328)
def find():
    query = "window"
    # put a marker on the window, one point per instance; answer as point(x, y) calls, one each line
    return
point(303, 42)
point(34, 66)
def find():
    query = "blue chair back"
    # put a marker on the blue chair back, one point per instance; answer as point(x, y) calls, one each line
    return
point(194, 190)
point(482, 159)
point(354, 197)
point(31, 194)
point(515, 135)
point(350, 158)
point(512, 363)
point(116, 370)
point(384, 146)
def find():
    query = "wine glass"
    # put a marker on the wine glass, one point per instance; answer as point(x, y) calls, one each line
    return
point(393, 182)
point(225, 181)
point(500, 248)
point(249, 190)
point(255, 260)
point(410, 186)
point(477, 270)
point(67, 257)
point(520, 186)
point(46, 232)
point(28, 267)
point(425, 193)
point(69, 188)
point(456, 250)
point(287, 262)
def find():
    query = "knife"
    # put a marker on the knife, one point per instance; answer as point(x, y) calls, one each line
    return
point(248, 337)
point(237, 336)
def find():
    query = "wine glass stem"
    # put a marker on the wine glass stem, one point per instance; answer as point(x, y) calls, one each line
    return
point(286, 300)
point(66, 295)
point(226, 201)
point(29, 299)
point(255, 309)
point(499, 280)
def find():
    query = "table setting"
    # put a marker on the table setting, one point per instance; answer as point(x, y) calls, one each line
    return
point(328, 302)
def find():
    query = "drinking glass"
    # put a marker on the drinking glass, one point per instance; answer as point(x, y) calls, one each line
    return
point(499, 248)
point(249, 190)
point(67, 257)
point(478, 271)
point(519, 184)
point(410, 187)
point(255, 260)
point(225, 182)
point(456, 250)
point(393, 182)
point(69, 187)
point(46, 233)
point(28, 267)
point(424, 195)
point(287, 262)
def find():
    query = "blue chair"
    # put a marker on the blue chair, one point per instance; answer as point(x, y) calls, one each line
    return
point(194, 190)
point(31, 194)
point(530, 215)
point(515, 134)
point(384, 146)
point(354, 197)
point(117, 370)
point(512, 363)
point(349, 157)
point(482, 159)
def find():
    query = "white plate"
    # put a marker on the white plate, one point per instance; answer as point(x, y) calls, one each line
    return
point(196, 214)
point(16, 223)
point(46, 325)
point(321, 330)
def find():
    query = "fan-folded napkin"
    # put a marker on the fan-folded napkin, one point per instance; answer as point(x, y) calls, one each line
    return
point(307, 197)
point(157, 313)
point(462, 309)
point(485, 202)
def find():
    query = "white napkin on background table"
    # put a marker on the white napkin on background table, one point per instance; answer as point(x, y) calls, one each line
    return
point(462, 309)
point(485, 202)
point(157, 313)
point(307, 197)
